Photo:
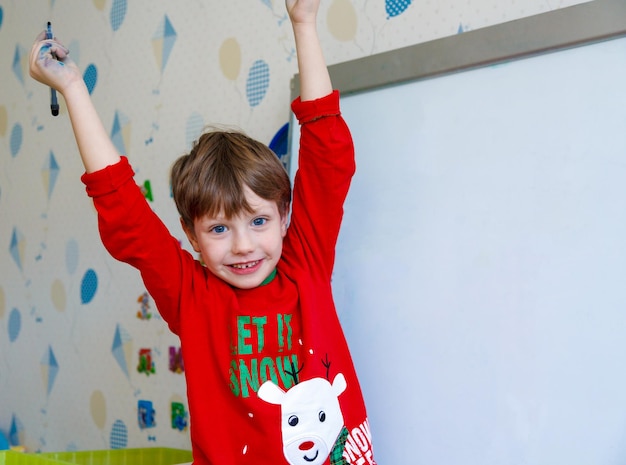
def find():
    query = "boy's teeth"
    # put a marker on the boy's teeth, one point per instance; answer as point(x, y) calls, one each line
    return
point(245, 265)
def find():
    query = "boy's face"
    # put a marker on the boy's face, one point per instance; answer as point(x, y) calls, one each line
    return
point(244, 249)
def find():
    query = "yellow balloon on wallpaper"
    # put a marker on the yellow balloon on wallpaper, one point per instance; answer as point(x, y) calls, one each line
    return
point(99, 4)
point(57, 293)
point(97, 406)
point(230, 58)
point(3, 120)
point(342, 20)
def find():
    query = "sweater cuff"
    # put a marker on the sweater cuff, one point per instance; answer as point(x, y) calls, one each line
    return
point(108, 179)
point(311, 110)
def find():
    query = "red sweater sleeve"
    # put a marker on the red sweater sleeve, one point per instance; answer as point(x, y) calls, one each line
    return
point(132, 233)
point(325, 168)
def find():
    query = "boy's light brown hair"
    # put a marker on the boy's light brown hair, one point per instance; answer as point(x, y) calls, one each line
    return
point(210, 179)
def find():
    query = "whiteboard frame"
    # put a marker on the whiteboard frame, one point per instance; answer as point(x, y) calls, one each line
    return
point(569, 27)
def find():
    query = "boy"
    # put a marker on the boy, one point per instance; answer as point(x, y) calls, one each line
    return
point(269, 375)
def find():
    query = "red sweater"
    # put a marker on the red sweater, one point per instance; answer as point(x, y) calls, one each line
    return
point(284, 336)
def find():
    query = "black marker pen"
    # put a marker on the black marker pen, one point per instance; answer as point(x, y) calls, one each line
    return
point(54, 104)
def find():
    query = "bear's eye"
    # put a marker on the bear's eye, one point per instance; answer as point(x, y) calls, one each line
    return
point(293, 420)
point(322, 416)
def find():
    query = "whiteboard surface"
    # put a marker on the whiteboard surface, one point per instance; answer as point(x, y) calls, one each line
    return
point(481, 267)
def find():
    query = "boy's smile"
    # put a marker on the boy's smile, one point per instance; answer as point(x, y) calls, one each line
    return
point(245, 249)
point(246, 267)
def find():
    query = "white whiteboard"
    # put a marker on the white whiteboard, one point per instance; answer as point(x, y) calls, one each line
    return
point(481, 267)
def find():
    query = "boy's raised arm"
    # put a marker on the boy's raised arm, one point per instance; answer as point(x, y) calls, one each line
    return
point(50, 64)
point(314, 78)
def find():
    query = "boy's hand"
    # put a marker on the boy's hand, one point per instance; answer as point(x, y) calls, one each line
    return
point(302, 11)
point(50, 64)
point(314, 78)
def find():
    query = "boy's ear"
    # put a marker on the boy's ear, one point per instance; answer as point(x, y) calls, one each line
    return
point(191, 236)
point(284, 220)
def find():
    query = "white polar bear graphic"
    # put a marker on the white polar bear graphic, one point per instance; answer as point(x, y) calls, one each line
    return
point(311, 417)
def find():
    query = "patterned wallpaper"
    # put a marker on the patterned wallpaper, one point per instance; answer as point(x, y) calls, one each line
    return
point(85, 360)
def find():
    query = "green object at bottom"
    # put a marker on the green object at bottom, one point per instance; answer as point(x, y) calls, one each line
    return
point(19, 458)
point(145, 456)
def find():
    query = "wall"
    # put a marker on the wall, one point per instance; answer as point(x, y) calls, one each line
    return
point(73, 321)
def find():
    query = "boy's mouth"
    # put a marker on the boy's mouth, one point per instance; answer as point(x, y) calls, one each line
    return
point(245, 266)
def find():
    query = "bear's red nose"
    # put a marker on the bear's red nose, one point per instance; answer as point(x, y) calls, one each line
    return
point(306, 445)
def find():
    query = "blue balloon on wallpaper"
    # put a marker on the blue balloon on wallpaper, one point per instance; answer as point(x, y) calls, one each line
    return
point(118, 13)
point(15, 324)
point(396, 7)
point(1, 16)
point(88, 286)
point(258, 82)
point(280, 144)
point(90, 76)
point(119, 435)
point(16, 139)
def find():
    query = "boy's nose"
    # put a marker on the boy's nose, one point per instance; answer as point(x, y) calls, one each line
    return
point(242, 243)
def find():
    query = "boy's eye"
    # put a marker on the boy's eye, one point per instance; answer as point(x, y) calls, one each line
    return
point(219, 229)
point(259, 221)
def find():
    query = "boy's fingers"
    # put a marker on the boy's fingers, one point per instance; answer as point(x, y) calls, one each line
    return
point(35, 48)
point(59, 51)
point(36, 52)
point(40, 46)
point(49, 50)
